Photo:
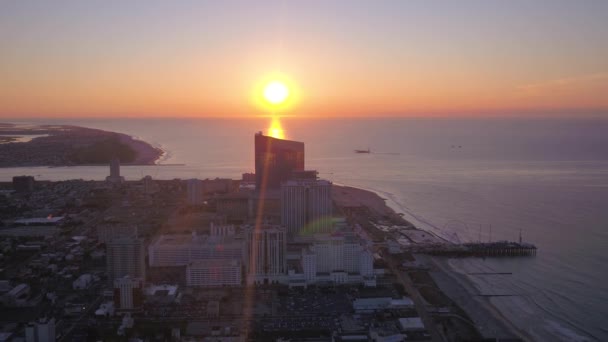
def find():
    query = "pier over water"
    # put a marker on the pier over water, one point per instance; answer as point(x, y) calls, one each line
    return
point(483, 249)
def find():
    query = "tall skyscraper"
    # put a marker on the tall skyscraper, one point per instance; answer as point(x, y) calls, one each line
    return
point(125, 256)
point(267, 248)
point(306, 206)
point(275, 160)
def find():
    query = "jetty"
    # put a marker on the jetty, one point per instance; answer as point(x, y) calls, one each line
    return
point(482, 249)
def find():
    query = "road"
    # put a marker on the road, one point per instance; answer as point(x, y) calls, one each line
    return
point(420, 303)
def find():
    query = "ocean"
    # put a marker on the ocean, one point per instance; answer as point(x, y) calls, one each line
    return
point(462, 179)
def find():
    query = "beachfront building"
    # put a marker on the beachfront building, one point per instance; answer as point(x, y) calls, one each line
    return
point(275, 160)
point(339, 259)
point(342, 253)
point(306, 206)
point(222, 230)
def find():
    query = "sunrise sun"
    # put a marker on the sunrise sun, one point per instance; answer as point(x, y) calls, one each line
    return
point(276, 92)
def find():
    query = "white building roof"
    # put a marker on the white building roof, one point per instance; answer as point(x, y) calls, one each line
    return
point(405, 301)
point(411, 323)
point(171, 289)
point(40, 220)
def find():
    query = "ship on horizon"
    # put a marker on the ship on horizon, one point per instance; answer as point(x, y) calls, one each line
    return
point(363, 151)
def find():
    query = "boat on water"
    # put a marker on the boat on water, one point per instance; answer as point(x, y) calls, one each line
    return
point(363, 151)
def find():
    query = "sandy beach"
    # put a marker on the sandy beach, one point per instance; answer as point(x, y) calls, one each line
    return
point(488, 320)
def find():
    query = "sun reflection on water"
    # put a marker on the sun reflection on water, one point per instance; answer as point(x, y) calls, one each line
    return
point(275, 129)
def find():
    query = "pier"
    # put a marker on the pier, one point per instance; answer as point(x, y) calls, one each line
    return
point(481, 249)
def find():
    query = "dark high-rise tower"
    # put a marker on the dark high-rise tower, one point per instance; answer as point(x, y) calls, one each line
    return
point(275, 160)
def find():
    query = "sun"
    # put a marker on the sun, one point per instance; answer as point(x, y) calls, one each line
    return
point(276, 92)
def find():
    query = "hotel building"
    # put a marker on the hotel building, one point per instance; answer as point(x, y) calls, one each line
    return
point(275, 160)
point(306, 206)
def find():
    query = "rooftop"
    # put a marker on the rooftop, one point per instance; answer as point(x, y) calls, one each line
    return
point(162, 290)
point(193, 240)
point(40, 220)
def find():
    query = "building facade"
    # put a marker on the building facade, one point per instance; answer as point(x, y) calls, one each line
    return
point(195, 191)
point(275, 160)
point(125, 256)
point(115, 176)
point(339, 259)
point(128, 293)
point(267, 249)
point(42, 330)
point(306, 206)
point(182, 249)
point(213, 273)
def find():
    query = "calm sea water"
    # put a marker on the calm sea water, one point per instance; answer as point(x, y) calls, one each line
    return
point(465, 180)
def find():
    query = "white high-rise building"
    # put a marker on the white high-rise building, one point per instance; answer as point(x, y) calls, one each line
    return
point(306, 206)
point(125, 256)
point(195, 191)
point(267, 247)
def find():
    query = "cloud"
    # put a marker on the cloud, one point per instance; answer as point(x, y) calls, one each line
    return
point(566, 86)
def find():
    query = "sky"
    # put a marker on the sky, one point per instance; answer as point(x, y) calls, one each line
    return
point(342, 58)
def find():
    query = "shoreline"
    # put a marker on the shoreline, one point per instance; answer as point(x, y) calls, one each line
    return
point(488, 320)
point(68, 145)
point(458, 287)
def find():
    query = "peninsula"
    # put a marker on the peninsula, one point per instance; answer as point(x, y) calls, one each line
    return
point(66, 145)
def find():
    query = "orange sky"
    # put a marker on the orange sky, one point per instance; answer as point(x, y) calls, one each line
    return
point(388, 60)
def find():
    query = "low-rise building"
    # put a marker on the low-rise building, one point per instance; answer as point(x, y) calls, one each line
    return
point(409, 324)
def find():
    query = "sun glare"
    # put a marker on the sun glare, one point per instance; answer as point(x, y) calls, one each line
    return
point(276, 92)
